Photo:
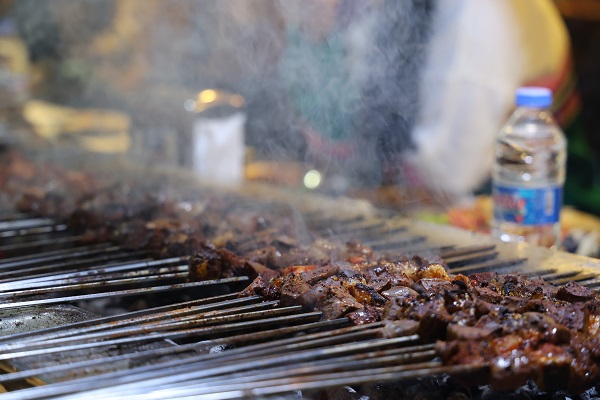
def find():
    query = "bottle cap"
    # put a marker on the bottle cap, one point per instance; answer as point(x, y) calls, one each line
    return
point(534, 97)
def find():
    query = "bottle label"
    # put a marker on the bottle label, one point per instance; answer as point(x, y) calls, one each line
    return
point(527, 206)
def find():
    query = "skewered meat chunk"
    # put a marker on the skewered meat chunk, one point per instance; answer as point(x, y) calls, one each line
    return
point(336, 303)
point(263, 288)
point(317, 274)
point(293, 290)
point(573, 292)
point(206, 264)
point(365, 315)
point(400, 327)
point(521, 329)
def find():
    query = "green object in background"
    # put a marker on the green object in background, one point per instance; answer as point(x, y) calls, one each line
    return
point(582, 185)
point(319, 82)
point(436, 218)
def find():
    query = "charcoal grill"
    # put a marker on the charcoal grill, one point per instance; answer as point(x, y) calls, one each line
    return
point(215, 345)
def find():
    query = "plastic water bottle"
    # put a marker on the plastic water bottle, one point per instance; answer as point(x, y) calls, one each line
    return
point(529, 172)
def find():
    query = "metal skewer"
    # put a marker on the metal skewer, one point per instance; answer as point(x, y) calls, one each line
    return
point(461, 260)
point(173, 335)
point(357, 362)
point(81, 326)
point(129, 292)
point(25, 224)
point(193, 318)
point(266, 388)
point(58, 255)
point(155, 353)
point(577, 278)
point(188, 370)
point(54, 252)
point(19, 287)
point(54, 242)
point(156, 277)
point(495, 265)
point(48, 271)
point(33, 231)
point(35, 275)
point(463, 251)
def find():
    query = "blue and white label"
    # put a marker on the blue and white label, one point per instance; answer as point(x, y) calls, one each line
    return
point(527, 206)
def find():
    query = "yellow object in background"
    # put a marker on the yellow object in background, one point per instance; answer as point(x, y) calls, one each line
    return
point(97, 130)
point(14, 66)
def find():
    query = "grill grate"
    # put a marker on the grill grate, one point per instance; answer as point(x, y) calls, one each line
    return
point(221, 346)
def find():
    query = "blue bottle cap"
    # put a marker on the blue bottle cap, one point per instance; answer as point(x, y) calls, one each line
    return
point(534, 97)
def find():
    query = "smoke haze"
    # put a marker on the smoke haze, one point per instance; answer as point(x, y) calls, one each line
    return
point(146, 56)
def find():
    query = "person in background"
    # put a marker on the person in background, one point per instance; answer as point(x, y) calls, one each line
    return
point(352, 76)
point(423, 85)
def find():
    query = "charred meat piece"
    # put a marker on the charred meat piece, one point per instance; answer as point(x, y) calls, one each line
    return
point(366, 315)
point(263, 288)
point(206, 264)
point(519, 329)
point(337, 302)
point(573, 292)
point(293, 289)
point(364, 294)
